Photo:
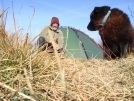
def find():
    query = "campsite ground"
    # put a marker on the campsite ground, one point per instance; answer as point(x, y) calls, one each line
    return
point(45, 77)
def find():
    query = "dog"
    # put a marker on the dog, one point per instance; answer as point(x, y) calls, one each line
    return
point(115, 30)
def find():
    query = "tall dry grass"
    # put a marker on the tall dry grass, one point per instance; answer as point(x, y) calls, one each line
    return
point(39, 76)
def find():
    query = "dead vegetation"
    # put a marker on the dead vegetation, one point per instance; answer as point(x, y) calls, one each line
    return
point(85, 80)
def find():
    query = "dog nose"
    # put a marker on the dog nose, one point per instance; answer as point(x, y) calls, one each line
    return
point(88, 27)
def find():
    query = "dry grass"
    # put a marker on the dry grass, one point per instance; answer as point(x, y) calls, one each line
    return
point(85, 80)
point(47, 77)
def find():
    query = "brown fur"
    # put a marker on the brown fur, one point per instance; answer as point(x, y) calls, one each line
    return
point(116, 34)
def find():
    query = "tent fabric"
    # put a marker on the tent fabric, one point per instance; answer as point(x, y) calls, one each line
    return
point(80, 45)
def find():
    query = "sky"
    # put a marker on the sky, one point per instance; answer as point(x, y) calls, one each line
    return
point(74, 13)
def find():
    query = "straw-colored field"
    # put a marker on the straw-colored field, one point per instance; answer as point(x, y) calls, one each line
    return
point(48, 77)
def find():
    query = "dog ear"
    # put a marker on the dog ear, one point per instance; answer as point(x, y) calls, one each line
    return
point(97, 9)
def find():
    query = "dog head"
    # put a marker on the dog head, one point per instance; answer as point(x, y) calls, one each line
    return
point(96, 17)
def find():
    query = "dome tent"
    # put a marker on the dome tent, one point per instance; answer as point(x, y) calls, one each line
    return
point(79, 44)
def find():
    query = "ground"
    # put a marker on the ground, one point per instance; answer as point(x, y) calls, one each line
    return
point(42, 77)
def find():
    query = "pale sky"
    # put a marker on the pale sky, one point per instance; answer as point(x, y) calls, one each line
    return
point(74, 13)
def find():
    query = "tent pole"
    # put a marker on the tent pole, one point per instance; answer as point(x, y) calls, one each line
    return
point(81, 43)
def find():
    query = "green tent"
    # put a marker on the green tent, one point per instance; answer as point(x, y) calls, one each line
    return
point(80, 45)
